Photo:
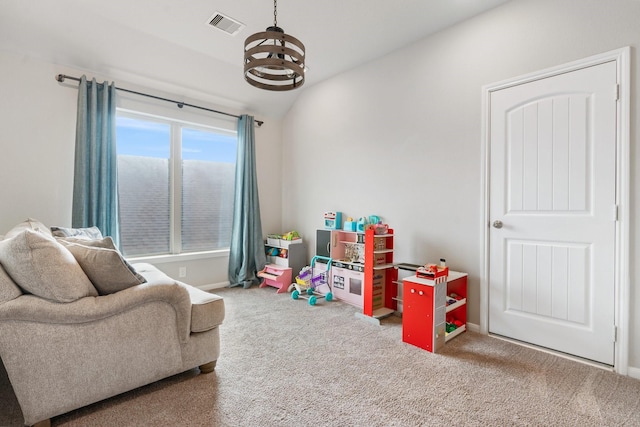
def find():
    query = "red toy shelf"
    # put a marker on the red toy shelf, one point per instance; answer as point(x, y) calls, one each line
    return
point(456, 311)
point(380, 288)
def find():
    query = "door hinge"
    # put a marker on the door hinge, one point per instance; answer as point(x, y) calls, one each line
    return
point(617, 93)
point(615, 333)
point(615, 212)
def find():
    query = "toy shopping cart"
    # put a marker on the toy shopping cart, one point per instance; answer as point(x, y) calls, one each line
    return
point(310, 279)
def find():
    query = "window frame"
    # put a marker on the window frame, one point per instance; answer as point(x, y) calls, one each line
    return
point(177, 123)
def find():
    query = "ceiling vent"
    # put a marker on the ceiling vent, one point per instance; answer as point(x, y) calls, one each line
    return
point(226, 24)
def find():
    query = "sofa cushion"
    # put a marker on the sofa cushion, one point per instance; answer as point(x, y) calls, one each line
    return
point(87, 233)
point(8, 289)
point(40, 265)
point(103, 264)
point(28, 224)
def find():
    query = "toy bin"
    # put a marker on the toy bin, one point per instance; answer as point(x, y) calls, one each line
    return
point(273, 239)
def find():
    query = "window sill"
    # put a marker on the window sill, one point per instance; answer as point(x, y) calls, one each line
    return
point(189, 256)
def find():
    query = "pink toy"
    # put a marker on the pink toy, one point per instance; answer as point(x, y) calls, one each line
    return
point(276, 276)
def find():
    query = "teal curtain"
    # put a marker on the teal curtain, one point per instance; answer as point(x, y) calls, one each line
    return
point(95, 186)
point(246, 256)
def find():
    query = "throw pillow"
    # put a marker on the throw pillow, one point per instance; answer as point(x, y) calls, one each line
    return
point(87, 233)
point(42, 266)
point(28, 224)
point(106, 242)
point(106, 268)
point(8, 289)
point(103, 242)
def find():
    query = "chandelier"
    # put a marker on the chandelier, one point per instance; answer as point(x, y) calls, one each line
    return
point(274, 60)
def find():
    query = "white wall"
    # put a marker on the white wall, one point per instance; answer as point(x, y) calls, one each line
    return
point(37, 137)
point(400, 137)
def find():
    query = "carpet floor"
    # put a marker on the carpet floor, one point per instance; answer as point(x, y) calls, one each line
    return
point(285, 363)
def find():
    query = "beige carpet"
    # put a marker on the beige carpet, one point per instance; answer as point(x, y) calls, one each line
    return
point(285, 363)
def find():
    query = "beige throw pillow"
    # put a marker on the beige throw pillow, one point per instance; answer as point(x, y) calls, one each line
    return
point(8, 289)
point(28, 224)
point(103, 242)
point(103, 264)
point(40, 265)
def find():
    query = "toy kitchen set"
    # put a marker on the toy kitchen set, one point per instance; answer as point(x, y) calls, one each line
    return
point(431, 299)
point(362, 271)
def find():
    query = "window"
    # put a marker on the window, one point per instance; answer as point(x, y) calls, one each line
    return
point(175, 185)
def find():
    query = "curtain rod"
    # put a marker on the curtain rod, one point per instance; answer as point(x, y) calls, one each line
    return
point(61, 78)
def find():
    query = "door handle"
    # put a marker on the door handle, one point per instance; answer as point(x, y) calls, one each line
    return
point(497, 224)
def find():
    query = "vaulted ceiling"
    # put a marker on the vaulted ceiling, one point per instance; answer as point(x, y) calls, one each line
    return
point(170, 41)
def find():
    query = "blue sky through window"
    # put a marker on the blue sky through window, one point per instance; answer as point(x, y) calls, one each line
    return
point(209, 146)
point(142, 138)
point(152, 139)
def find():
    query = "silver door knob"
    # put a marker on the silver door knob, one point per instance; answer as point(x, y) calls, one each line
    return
point(497, 224)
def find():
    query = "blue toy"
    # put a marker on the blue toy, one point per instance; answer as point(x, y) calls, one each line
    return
point(332, 220)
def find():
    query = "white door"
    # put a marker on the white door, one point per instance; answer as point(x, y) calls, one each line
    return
point(552, 212)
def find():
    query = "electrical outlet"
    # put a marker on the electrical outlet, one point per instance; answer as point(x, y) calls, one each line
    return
point(182, 272)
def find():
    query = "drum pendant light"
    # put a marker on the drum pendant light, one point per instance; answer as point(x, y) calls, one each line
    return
point(274, 60)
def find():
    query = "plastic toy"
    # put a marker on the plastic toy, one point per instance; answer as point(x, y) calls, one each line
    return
point(291, 235)
point(432, 271)
point(452, 324)
point(349, 225)
point(361, 225)
point(307, 282)
point(333, 220)
point(380, 228)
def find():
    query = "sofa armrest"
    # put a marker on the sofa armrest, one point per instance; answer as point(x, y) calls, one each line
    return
point(30, 308)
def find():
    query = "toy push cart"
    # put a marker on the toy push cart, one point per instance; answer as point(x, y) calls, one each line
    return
point(310, 279)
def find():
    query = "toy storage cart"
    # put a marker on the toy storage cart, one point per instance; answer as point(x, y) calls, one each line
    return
point(423, 318)
point(310, 279)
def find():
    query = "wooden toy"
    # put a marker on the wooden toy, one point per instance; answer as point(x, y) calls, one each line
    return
point(277, 276)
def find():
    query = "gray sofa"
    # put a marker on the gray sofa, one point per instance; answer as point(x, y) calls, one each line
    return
point(78, 324)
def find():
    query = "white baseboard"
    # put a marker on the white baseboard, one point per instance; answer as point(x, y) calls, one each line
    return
point(633, 372)
point(213, 286)
point(473, 327)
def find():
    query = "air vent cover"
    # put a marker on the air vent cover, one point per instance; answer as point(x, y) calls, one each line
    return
point(226, 24)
